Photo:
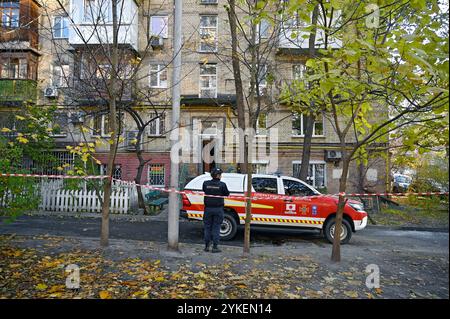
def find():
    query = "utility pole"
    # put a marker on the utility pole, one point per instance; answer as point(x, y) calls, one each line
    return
point(174, 203)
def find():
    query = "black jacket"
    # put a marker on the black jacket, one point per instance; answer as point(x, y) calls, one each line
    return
point(215, 187)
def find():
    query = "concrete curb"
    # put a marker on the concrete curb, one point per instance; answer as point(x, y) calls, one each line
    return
point(162, 216)
point(410, 228)
point(138, 218)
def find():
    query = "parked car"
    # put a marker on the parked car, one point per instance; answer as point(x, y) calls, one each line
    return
point(401, 183)
point(280, 201)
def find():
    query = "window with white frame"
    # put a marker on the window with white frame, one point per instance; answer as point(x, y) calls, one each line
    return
point(208, 81)
point(61, 75)
point(299, 71)
point(260, 168)
point(261, 124)
point(262, 29)
point(157, 126)
point(101, 125)
point(14, 68)
point(61, 27)
point(159, 26)
point(316, 173)
point(117, 171)
point(208, 33)
point(10, 12)
point(156, 175)
point(158, 76)
point(299, 125)
point(262, 76)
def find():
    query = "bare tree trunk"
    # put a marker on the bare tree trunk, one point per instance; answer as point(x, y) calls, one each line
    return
point(238, 85)
point(336, 252)
point(248, 205)
point(137, 180)
point(310, 118)
point(104, 239)
point(361, 175)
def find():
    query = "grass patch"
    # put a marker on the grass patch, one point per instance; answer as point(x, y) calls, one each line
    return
point(415, 211)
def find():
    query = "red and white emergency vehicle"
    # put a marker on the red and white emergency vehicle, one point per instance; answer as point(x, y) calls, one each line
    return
point(279, 201)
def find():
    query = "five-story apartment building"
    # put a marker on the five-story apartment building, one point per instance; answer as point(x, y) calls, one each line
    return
point(74, 63)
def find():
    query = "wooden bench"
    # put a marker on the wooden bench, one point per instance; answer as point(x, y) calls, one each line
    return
point(154, 200)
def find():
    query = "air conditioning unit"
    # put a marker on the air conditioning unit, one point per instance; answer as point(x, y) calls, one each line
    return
point(51, 92)
point(156, 42)
point(76, 118)
point(130, 140)
point(332, 155)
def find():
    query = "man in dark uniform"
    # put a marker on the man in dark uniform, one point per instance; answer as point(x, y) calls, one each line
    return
point(213, 216)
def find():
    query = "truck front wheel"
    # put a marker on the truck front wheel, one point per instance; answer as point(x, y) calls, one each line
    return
point(346, 230)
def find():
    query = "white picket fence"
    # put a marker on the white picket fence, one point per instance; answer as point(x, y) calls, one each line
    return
point(84, 201)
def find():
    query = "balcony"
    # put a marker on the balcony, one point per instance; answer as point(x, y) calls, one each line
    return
point(92, 24)
point(14, 92)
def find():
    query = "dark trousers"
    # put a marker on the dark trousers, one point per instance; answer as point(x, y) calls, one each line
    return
point(212, 220)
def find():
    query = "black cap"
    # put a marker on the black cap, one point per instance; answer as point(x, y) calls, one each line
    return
point(215, 172)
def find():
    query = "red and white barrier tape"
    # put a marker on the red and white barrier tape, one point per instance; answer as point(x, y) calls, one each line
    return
point(237, 197)
point(271, 196)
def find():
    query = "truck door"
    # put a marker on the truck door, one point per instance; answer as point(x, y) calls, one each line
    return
point(300, 204)
point(265, 187)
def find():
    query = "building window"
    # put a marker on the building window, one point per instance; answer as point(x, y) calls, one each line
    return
point(208, 33)
point(159, 26)
point(158, 76)
point(316, 173)
point(262, 30)
point(103, 71)
point(299, 71)
point(101, 125)
point(116, 173)
point(262, 76)
point(14, 68)
point(260, 168)
point(208, 81)
point(61, 27)
point(59, 124)
point(10, 12)
point(299, 125)
point(156, 175)
point(157, 126)
point(261, 124)
point(61, 76)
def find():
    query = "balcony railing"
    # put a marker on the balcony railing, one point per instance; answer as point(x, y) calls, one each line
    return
point(18, 90)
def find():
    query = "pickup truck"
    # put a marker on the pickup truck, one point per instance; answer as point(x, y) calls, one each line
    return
point(276, 201)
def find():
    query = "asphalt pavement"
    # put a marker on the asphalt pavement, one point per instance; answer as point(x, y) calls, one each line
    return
point(413, 264)
point(191, 232)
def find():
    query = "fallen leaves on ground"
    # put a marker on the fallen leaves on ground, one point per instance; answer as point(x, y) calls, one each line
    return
point(29, 272)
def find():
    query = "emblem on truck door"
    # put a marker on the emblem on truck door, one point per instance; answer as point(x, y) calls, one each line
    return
point(290, 209)
point(304, 209)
